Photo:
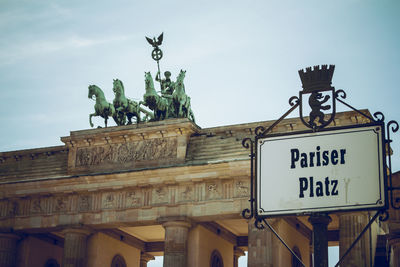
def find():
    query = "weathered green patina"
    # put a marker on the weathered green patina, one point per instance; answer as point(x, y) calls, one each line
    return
point(153, 101)
point(126, 108)
point(102, 108)
point(172, 103)
point(181, 100)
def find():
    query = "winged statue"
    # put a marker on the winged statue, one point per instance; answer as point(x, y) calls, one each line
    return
point(155, 42)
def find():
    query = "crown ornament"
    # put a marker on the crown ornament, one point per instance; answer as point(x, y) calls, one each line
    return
point(317, 79)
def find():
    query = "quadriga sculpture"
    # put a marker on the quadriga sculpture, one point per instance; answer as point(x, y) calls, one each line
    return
point(102, 108)
point(153, 101)
point(126, 108)
point(180, 99)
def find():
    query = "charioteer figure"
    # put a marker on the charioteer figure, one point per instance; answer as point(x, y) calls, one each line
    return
point(167, 85)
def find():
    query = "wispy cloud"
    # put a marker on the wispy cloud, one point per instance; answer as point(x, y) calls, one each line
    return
point(12, 54)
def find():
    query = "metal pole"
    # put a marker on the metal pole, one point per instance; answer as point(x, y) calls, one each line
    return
point(159, 77)
point(320, 238)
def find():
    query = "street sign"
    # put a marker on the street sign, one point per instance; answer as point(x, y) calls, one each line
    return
point(335, 169)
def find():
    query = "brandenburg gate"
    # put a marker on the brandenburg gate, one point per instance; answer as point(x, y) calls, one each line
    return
point(158, 184)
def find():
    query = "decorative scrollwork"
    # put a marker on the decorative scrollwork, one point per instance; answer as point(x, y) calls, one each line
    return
point(379, 116)
point(247, 214)
point(340, 94)
point(393, 125)
point(293, 100)
point(384, 216)
point(247, 142)
point(259, 130)
point(259, 223)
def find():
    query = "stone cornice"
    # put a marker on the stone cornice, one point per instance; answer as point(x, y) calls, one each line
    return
point(118, 181)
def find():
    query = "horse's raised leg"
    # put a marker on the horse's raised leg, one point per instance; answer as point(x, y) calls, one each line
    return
point(90, 118)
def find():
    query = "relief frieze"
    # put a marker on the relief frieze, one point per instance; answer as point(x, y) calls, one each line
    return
point(145, 150)
point(242, 189)
point(160, 195)
point(37, 206)
point(60, 204)
point(186, 193)
point(84, 203)
point(133, 199)
point(108, 201)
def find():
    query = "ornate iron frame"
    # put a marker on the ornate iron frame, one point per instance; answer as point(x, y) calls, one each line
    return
point(295, 102)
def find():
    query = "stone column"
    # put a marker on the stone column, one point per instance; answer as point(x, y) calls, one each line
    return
point(394, 244)
point(237, 253)
point(145, 258)
point(261, 246)
point(350, 226)
point(176, 242)
point(8, 249)
point(75, 247)
point(320, 238)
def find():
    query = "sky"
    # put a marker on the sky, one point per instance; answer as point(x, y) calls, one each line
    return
point(241, 58)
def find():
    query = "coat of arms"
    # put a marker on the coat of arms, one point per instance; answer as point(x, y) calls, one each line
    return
point(321, 96)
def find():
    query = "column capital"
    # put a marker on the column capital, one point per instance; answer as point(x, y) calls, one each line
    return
point(175, 221)
point(77, 230)
point(238, 252)
point(320, 219)
point(145, 257)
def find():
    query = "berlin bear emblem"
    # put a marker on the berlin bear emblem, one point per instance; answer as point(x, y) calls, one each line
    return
point(316, 103)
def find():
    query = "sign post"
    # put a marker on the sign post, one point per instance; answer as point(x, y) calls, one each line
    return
point(321, 170)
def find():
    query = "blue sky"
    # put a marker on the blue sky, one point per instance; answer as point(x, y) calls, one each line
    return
point(241, 58)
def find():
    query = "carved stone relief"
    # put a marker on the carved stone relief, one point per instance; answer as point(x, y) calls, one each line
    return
point(213, 191)
point(160, 195)
point(152, 149)
point(37, 206)
point(133, 199)
point(139, 197)
point(186, 193)
point(60, 204)
point(84, 203)
point(108, 201)
point(14, 208)
point(242, 189)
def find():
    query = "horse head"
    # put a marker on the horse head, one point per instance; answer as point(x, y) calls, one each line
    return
point(118, 87)
point(92, 91)
point(179, 80)
point(148, 79)
point(181, 75)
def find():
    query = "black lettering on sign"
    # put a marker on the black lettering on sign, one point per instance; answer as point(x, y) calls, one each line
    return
point(294, 156)
point(313, 158)
point(334, 183)
point(303, 182)
point(322, 188)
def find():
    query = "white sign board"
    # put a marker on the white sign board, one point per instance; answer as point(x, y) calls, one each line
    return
point(333, 170)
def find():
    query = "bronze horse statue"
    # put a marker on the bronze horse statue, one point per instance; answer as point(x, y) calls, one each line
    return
point(126, 108)
point(153, 101)
point(181, 100)
point(102, 108)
